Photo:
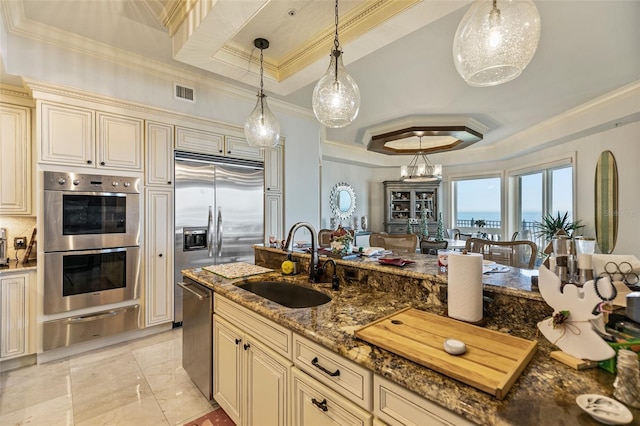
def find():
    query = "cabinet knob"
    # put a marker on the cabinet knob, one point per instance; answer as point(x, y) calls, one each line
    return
point(160, 255)
point(268, 189)
point(169, 182)
point(102, 163)
point(228, 152)
point(89, 161)
point(220, 150)
point(246, 346)
point(238, 341)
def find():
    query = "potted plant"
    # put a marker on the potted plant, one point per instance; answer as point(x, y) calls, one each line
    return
point(551, 224)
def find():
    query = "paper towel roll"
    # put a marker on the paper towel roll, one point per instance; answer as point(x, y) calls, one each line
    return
point(464, 289)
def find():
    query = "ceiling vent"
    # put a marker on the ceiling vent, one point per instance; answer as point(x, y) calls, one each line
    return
point(184, 93)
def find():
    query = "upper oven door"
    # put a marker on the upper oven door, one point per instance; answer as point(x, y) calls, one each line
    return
point(89, 220)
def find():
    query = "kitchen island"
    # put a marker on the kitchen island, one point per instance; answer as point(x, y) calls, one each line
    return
point(544, 393)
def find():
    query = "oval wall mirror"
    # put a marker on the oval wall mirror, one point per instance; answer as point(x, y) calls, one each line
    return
point(342, 200)
point(606, 202)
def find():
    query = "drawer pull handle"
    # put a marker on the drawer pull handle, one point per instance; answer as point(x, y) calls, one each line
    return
point(246, 346)
point(315, 363)
point(321, 405)
point(238, 341)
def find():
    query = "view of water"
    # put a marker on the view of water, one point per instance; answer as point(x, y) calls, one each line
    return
point(527, 216)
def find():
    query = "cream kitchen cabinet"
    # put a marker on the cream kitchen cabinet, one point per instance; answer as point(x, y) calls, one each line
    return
point(15, 160)
point(14, 316)
point(316, 404)
point(71, 135)
point(159, 256)
point(274, 193)
point(207, 142)
point(158, 154)
point(251, 382)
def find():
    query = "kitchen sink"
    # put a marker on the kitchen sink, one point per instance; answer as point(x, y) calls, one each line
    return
point(289, 295)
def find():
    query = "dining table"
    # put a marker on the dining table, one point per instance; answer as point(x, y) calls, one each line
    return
point(455, 244)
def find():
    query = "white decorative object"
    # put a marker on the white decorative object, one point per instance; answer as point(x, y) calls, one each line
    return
point(464, 286)
point(575, 335)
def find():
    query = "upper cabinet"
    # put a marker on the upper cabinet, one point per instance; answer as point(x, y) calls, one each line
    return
point(15, 160)
point(159, 154)
point(68, 137)
point(206, 142)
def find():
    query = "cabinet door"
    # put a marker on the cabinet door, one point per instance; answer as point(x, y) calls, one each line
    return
point(14, 322)
point(273, 170)
point(199, 141)
point(266, 385)
point(159, 154)
point(67, 135)
point(227, 368)
point(273, 216)
point(316, 404)
point(15, 160)
point(159, 264)
point(239, 148)
point(119, 142)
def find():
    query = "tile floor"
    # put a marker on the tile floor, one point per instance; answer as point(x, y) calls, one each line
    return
point(141, 382)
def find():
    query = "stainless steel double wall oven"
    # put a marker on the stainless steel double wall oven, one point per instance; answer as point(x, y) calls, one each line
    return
point(91, 241)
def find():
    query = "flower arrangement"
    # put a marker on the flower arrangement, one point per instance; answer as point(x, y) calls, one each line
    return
point(341, 241)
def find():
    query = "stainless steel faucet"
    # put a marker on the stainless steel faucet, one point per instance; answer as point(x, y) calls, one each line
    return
point(313, 267)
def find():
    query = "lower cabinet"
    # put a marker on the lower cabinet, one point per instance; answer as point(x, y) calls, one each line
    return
point(315, 404)
point(250, 381)
point(14, 315)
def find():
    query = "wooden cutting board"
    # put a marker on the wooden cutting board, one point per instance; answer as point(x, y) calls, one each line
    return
point(493, 360)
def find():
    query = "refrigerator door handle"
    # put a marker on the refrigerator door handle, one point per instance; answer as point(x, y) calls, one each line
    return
point(219, 231)
point(210, 232)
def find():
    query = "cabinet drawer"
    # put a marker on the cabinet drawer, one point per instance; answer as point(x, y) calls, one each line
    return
point(340, 374)
point(271, 334)
point(399, 406)
point(316, 404)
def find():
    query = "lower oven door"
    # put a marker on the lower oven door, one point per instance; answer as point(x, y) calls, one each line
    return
point(89, 278)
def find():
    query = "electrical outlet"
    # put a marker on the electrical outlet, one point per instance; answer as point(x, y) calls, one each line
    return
point(20, 243)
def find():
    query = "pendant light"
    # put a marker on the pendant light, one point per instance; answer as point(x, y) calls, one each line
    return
point(336, 97)
point(261, 127)
point(495, 41)
point(420, 169)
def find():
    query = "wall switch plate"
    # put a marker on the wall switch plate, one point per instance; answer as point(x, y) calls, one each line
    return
point(20, 243)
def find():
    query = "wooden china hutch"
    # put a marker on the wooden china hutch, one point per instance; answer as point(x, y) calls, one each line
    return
point(410, 201)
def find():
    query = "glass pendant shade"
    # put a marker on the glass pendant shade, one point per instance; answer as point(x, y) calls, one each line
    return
point(496, 40)
point(336, 99)
point(261, 127)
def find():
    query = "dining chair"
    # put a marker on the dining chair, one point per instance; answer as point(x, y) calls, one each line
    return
point(462, 236)
point(397, 243)
point(432, 247)
point(454, 233)
point(324, 238)
point(518, 253)
point(514, 236)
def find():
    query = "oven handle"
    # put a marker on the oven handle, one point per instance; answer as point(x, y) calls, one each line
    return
point(185, 287)
point(210, 232)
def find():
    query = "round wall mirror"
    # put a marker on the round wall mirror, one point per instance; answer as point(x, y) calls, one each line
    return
point(343, 200)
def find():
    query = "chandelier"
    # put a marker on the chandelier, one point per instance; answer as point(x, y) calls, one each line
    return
point(420, 169)
point(336, 97)
point(261, 127)
point(493, 45)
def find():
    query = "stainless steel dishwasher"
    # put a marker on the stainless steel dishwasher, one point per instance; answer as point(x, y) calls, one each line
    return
point(197, 335)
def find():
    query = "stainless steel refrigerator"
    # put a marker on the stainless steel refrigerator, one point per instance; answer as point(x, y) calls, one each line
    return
point(219, 213)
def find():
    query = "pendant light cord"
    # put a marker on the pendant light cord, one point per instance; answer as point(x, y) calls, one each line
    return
point(336, 45)
point(261, 86)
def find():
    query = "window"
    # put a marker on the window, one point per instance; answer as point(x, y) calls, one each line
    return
point(478, 199)
point(542, 192)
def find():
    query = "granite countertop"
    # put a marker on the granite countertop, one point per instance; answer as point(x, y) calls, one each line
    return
point(17, 266)
point(544, 393)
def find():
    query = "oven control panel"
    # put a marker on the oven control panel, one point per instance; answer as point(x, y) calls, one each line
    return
point(63, 181)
